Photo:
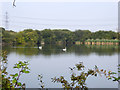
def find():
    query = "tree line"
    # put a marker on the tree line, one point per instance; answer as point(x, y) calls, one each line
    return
point(54, 36)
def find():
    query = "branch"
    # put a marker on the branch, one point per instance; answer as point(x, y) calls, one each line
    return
point(14, 3)
point(18, 76)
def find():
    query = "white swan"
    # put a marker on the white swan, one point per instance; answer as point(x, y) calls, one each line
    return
point(64, 49)
point(40, 47)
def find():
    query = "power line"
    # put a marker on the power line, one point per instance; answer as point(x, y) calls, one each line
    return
point(63, 24)
point(49, 19)
point(52, 24)
point(29, 24)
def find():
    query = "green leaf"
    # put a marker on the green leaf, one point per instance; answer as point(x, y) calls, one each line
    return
point(16, 75)
point(23, 71)
point(27, 72)
point(19, 84)
point(18, 66)
point(11, 75)
point(15, 67)
point(113, 73)
point(14, 81)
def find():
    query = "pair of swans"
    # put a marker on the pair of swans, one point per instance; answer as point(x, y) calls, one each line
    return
point(40, 47)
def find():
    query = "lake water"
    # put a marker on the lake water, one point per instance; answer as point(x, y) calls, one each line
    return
point(51, 61)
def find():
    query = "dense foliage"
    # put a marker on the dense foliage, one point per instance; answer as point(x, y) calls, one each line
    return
point(12, 80)
point(78, 80)
point(8, 36)
point(55, 36)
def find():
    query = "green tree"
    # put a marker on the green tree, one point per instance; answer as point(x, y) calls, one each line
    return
point(82, 35)
point(27, 36)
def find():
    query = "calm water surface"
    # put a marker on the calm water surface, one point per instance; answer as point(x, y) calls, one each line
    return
point(51, 61)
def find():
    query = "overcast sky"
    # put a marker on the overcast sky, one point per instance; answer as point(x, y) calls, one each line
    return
point(60, 0)
point(91, 16)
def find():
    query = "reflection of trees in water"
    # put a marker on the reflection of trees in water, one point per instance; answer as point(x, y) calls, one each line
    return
point(82, 50)
point(57, 49)
point(104, 50)
point(25, 51)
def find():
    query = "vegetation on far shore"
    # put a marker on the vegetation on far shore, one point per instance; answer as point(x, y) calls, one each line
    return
point(55, 36)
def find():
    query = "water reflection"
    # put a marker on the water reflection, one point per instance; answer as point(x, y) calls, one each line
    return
point(57, 49)
point(52, 61)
